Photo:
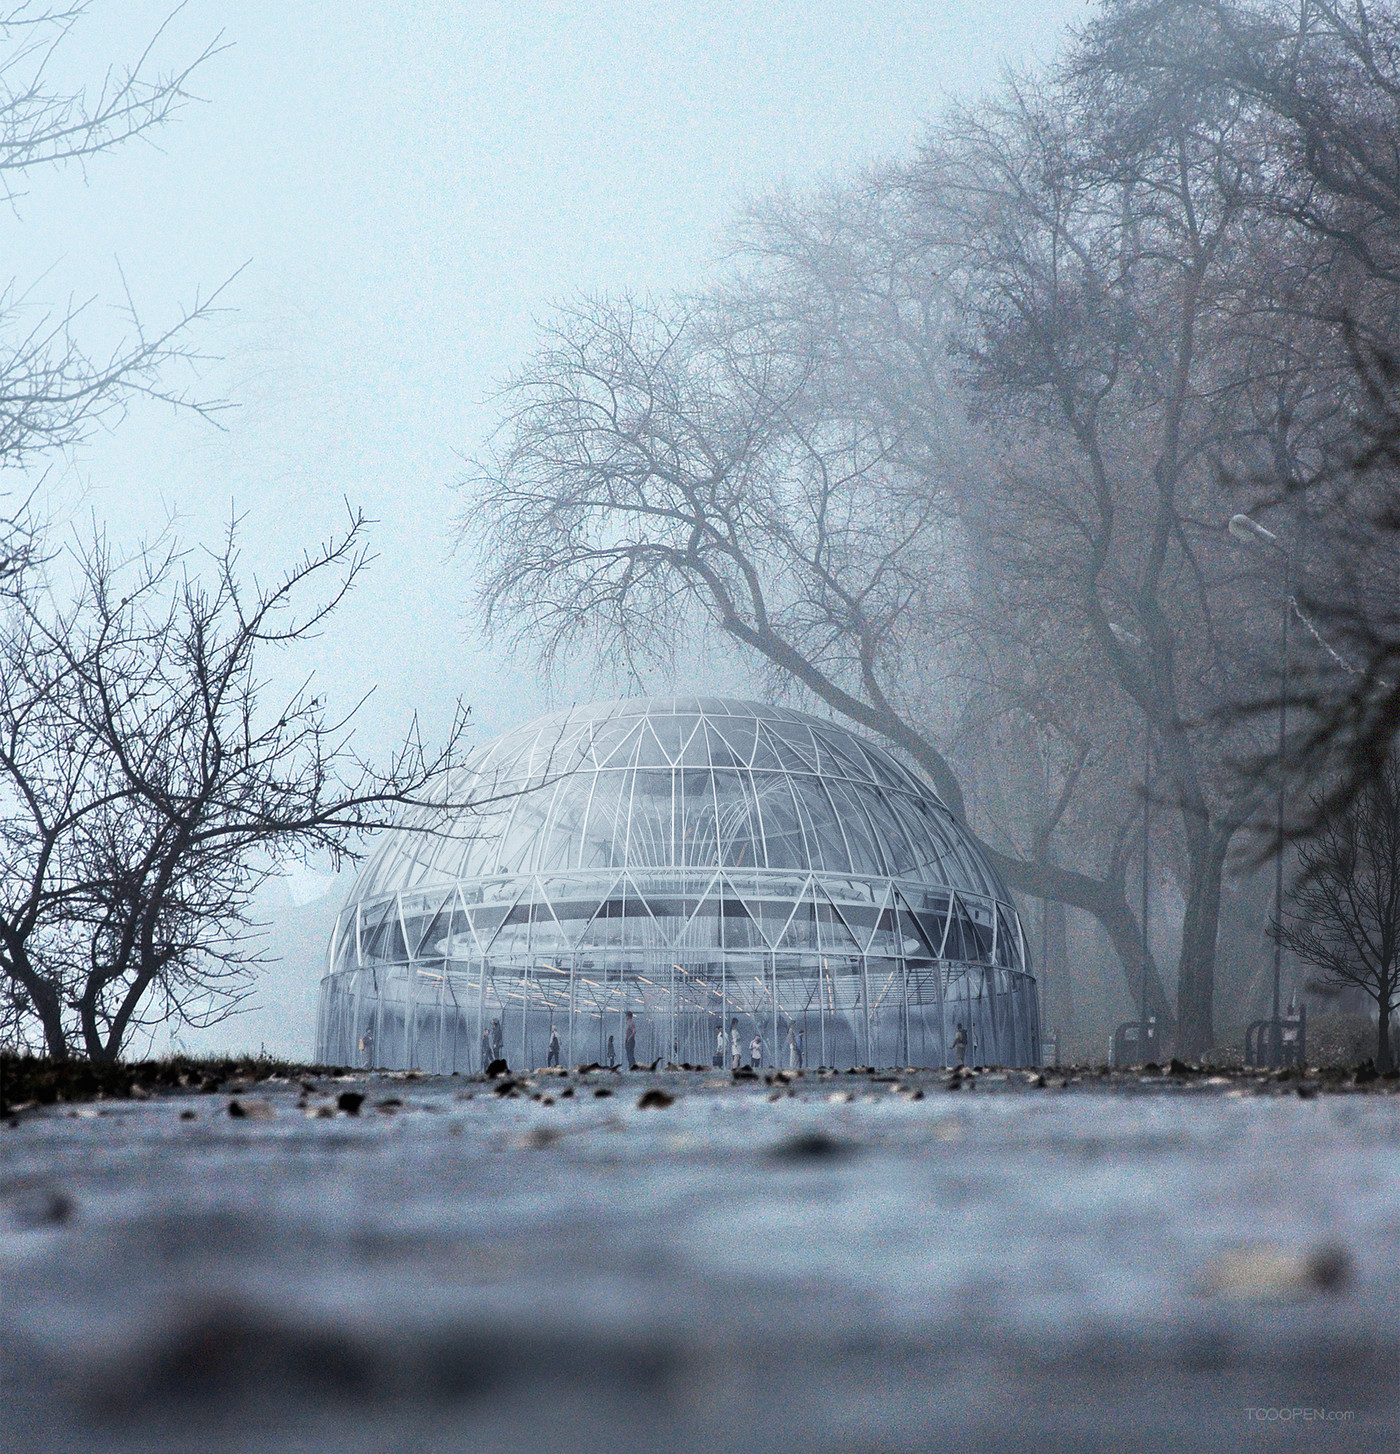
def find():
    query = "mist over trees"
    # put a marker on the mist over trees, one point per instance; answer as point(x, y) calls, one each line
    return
point(53, 390)
point(150, 778)
point(952, 448)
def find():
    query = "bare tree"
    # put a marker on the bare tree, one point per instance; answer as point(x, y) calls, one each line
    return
point(160, 788)
point(53, 391)
point(1041, 739)
point(659, 469)
point(48, 787)
point(1326, 76)
point(1087, 260)
point(1326, 72)
point(1344, 912)
point(1126, 330)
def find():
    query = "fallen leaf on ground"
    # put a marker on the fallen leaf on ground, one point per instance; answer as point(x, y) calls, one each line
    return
point(1268, 1273)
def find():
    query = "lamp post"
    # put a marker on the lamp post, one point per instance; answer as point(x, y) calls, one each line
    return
point(1130, 641)
point(1252, 533)
point(1146, 842)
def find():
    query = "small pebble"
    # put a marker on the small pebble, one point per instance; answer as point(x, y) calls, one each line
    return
point(251, 1110)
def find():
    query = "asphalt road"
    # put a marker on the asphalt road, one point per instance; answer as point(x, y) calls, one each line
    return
point(844, 1263)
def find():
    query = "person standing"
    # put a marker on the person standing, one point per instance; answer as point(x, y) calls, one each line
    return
point(612, 1052)
point(498, 1041)
point(553, 1057)
point(629, 1041)
point(755, 1051)
point(719, 1046)
point(793, 1057)
point(485, 1050)
point(960, 1043)
point(735, 1052)
point(1291, 1040)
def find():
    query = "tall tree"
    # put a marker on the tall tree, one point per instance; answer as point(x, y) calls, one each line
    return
point(1042, 742)
point(53, 392)
point(658, 470)
point(1123, 333)
point(1326, 76)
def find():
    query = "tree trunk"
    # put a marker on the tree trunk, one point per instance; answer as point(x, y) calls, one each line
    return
point(102, 1052)
point(44, 997)
point(1108, 903)
point(1057, 988)
point(51, 1017)
point(1384, 1061)
point(1195, 993)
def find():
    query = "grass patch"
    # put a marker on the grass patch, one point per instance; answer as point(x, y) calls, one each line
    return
point(27, 1081)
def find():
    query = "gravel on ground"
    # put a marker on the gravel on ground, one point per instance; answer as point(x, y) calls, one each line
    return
point(876, 1261)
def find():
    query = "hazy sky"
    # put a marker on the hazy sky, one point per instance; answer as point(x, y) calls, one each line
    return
point(410, 187)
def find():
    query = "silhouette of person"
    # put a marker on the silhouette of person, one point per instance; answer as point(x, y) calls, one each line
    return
point(755, 1051)
point(1292, 1024)
point(735, 1053)
point(612, 1051)
point(960, 1043)
point(553, 1057)
point(629, 1041)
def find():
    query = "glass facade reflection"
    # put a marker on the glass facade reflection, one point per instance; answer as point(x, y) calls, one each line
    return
point(676, 879)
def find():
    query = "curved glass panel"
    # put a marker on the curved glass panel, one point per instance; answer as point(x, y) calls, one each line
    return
point(691, 860)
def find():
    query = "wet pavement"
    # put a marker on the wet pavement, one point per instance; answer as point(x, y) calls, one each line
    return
point(851, 1262)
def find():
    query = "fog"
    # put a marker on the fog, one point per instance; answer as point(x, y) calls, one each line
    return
point(1015, 386)
point(392, 200)
point(405, 195)
point(623, 622)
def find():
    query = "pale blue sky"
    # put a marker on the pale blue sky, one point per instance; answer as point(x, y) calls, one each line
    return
point(411, 186)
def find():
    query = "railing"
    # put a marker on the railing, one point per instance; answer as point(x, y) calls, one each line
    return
point(1136, 1042)
point(1277, 1042)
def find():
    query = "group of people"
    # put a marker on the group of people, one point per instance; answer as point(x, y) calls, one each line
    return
point(729, 1048)
point(493, 1044)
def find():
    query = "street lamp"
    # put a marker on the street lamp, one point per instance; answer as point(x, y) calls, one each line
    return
point(1131, 641)
point(1252, 533)
point(1146, 846)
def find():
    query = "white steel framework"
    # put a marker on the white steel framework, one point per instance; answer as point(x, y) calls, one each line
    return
point(713, 873)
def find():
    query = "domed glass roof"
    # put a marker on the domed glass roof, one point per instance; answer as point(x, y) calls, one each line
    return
point(671, 867)
point(681, 783)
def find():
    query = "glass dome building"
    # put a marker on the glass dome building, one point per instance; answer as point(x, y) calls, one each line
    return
point(675, 879)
